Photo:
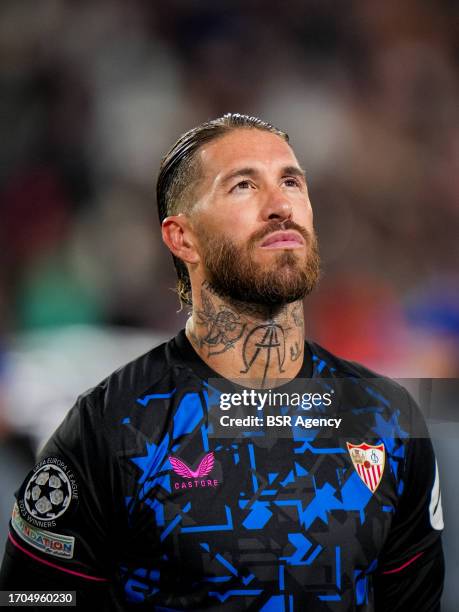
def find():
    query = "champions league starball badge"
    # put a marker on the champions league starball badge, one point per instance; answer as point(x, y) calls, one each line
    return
point(48, 493)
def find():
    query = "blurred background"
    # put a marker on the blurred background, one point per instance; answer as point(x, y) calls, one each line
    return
point(93, 93)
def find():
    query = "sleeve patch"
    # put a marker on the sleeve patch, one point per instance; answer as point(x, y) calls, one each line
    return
point(49, 493)
point(55, 544)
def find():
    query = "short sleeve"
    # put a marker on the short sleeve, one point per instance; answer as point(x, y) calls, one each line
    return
point(411, 569)
point(61, 521)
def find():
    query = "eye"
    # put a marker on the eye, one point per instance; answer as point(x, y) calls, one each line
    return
point(242, 185)
point(290, 181)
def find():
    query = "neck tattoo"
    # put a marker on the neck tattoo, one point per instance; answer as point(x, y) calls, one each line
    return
point(264, 341)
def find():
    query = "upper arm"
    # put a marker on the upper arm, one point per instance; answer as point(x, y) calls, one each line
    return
point(410, 572)
point(59, 533)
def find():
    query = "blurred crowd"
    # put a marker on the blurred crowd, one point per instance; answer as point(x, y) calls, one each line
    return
point(94, 92)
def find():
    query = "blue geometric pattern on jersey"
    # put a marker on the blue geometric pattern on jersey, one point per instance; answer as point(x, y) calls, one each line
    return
point(355, 495)
point(245, 580)
point(377, 396)
point(284, 484)
point(338, 566)
point(278, 603)
point(389, 431)
point(228, 526)
point(259, 514)
point(189, 414)
point(212, 396)
point(152, 462)
point(158, 509)
point(302, 545)
point(233, 572)
point(175, 521)
point(227, 565)
point(144, 401)
point(316, 451)
point(318, 365)
point(222, 597)
point(362, 583)
point(140, 584)
point(205, 438)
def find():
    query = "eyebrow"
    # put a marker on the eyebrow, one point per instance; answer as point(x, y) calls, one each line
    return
point(253, 172)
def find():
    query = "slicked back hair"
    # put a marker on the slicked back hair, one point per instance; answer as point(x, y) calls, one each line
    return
point(179, 169)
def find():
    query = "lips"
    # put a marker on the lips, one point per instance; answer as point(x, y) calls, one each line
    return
point(283, 240)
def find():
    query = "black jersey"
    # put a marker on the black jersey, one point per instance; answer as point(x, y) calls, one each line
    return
point(138, 504)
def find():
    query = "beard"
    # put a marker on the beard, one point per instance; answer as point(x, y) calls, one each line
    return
point(233, 272)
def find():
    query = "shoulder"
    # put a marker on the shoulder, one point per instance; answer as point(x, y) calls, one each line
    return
point(328, 364)
point(97, 416)
point(154, 371)
point(339, 365)
point(383, 405)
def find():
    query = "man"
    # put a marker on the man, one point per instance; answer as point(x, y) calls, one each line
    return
point(142, 500)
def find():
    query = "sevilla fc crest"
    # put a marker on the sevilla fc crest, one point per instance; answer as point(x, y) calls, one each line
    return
point(369, 462)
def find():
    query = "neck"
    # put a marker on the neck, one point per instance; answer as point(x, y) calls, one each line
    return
point(243, 341)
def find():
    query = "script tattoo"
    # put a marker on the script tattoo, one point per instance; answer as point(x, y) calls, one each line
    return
point(297, 316)
point(224, 327)
point(262, 341)
point(295, 351)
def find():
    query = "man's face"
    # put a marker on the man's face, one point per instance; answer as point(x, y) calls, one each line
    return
point(253, 219)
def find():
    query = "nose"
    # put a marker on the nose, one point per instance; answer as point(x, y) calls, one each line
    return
point(277, 206)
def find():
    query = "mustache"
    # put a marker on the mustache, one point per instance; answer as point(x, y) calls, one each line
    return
point(276, 226)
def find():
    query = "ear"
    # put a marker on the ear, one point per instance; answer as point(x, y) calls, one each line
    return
point(179, 238)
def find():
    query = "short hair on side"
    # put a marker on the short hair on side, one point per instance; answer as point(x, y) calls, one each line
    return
point(179, 169)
